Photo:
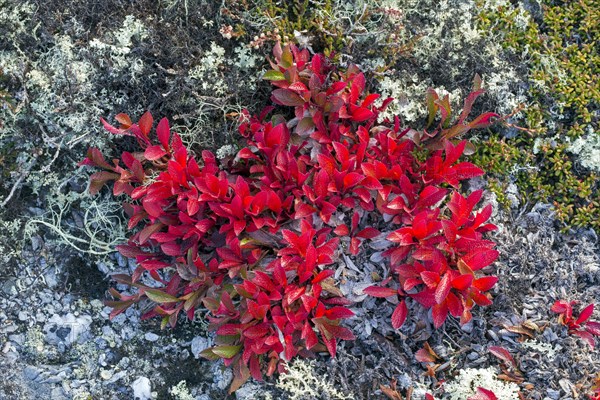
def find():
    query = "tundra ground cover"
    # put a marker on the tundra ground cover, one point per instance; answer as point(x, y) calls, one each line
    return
point(180, 60)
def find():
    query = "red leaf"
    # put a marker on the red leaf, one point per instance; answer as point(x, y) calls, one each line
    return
point(145, 123)
point(99, 179)
point(378, 291)
point(163, 132)
point(466, 170)
point(286, 97)
point(585, 314)
point(154, 153)
point(303, 210)
point(358, 86)
point(430, 196)
point(560, 307)
point(479, 259)
point(279, 135)
point(256, 331)
point(486, 283)
point(124, 120)
point(483, 394)
point(593, 327)
point(341, 230)
point(323, 275)
point(309, 336)
point(399, 315)
point(463, 282)
point(503, 355)
point(112, 129)
point(148, 231)
point(443, 288)
point(422, 355)
point(587, 336)
point(338, 312)
point(368, 233)
point(439, 312)
point(352, 179)
point(362, 114)
point(430, 278)
point(483, 120)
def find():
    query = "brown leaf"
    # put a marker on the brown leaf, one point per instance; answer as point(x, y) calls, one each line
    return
point(520, 330)
point(390, 393)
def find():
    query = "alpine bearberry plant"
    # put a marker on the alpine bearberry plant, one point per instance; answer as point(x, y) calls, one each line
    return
point(250, 241)
point(582, 326)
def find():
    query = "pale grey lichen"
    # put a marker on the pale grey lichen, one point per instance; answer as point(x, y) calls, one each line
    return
point(116, 47)
point(468, 380)
point(302, 381)
point(245, 59)
point(587, 149)
point(181, 392)
point(545, 349)
point(209, 71)
point(224, 151)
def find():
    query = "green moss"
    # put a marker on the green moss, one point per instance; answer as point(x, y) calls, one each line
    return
point(561, 50)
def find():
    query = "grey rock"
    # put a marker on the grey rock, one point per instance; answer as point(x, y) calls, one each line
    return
point(553, 394)
point(102, 267)
point(66, 329)
point(18, 339)
point(46, 297)
point(248, 391)
point(58, 394)
point(106, 374)
point(151, 337)
point(468, 327)
point(122, 261)
point(222, 377)
point(199, 343)
point(9, 328)
point(22, 316)
point(31, 372)
point(119, 375)
point(9, 288)
point(142, 389)
point(36, 242)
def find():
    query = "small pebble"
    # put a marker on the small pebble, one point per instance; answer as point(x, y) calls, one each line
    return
point(106, 374)
point(151, 337)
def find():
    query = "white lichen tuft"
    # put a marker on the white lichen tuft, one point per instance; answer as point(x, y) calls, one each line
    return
point(542, 348)
point(208, 72)
point(181, 392)
point(117, 46)
point(245, 59)
point(301, 381)
point(468, 380)
point(224, 151)
point(409, 97)
point(587, 149)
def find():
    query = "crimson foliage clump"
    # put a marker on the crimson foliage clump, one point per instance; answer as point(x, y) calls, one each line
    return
point(249, 241)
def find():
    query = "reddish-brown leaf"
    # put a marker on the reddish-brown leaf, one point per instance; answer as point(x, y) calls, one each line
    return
point(503, 355)
point(145, 123)
point(399, 315)
point(286, 97)
point(378, 291)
